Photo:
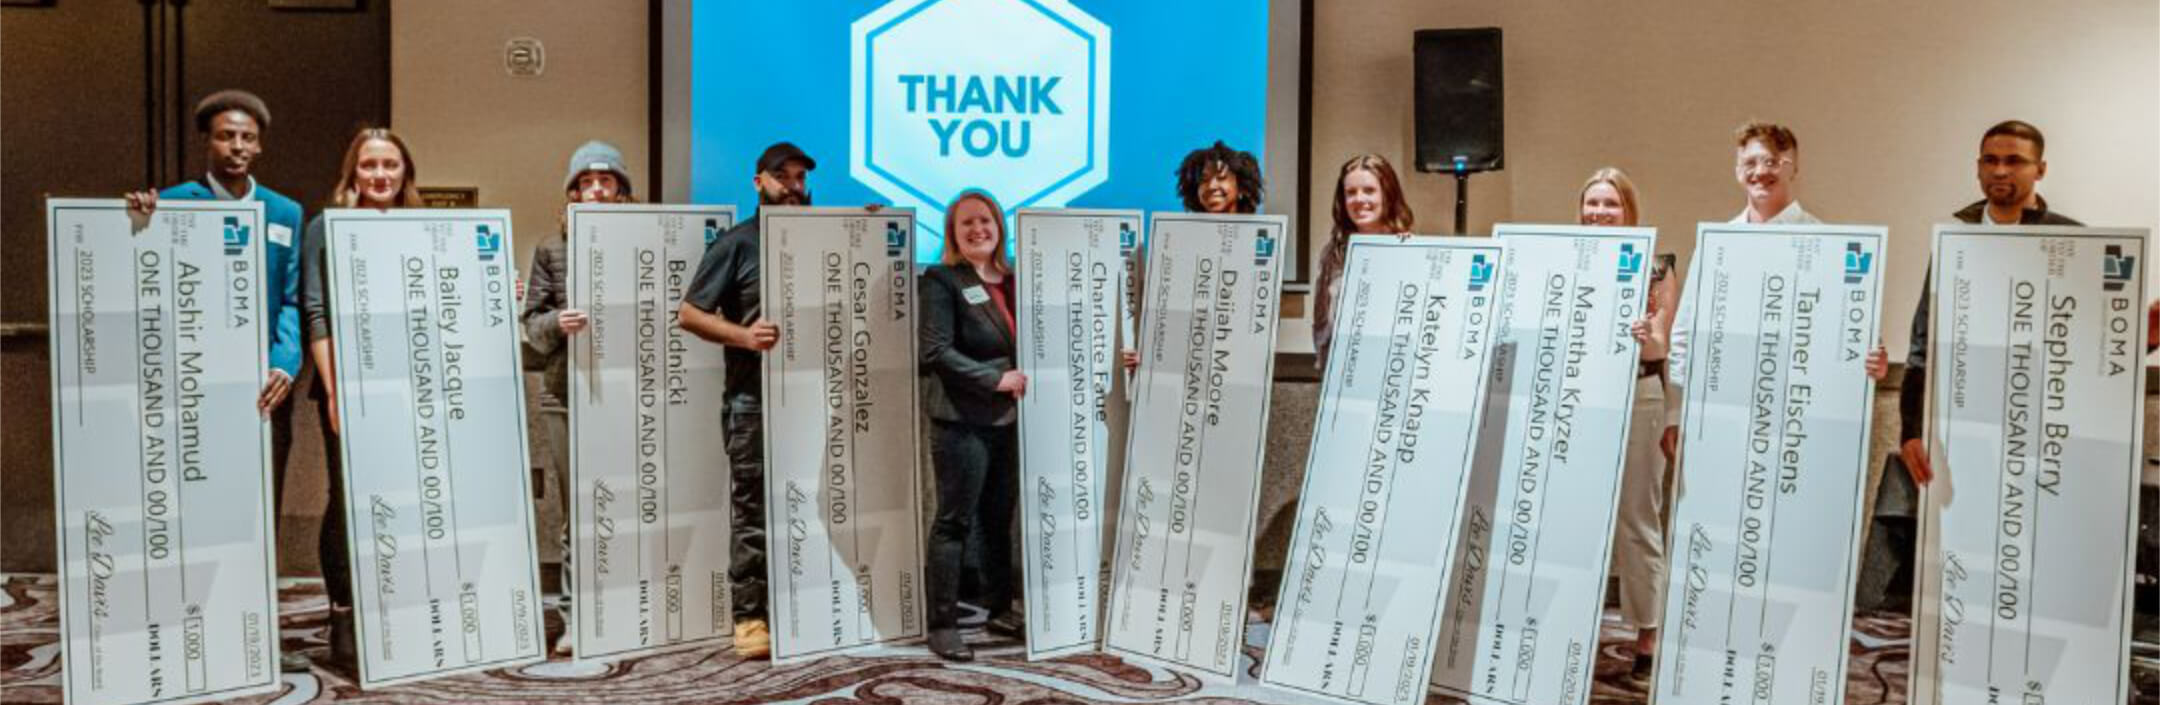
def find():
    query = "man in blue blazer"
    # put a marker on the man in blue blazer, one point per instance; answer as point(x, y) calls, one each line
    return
point(232, 122)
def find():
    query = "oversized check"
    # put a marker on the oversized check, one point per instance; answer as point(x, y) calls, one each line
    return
point(2036, 404)
point(1526, 597)
point(843, 509)
point(1391, 451)
point(430, 400)
point(161, 464)
point(649, 505)
point(1071, 289)
point(1194, 452)
point(1765, 533)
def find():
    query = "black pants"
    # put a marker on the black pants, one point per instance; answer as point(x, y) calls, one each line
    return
point(280, 455)
point(330, 545)
point(746, 464)
point(978, 478)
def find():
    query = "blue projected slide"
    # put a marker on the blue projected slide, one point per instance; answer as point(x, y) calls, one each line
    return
point(1082, 103)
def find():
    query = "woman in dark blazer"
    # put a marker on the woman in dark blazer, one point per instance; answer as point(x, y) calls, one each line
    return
point(969, 390)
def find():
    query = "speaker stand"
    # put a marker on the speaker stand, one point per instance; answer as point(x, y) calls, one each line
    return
point(1462, 198)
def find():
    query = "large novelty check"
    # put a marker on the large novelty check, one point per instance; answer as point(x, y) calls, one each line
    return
point(843, 511)
point(1525, 598)
point(436, 474)
point(1773, 338)
point(1391, 452)
point(649, 499)
point(2035, 422)
point(1071, 291)
point(161, 464)
point(1193, 457)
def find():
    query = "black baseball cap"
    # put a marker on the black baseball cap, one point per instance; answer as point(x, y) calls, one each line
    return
point(779, 154)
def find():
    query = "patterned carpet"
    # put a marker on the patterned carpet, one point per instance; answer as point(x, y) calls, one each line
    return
point(30, 670)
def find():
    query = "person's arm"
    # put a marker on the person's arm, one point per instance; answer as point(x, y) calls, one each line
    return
point(1657, 339)
point(285, 341)
point(1676, 351)
point(1323, 298)
point(939, 303)
point(544, 286)
point(1912, 393)
point(285, 337)
point(699, 312)
point(315, 302)
point(315, 312)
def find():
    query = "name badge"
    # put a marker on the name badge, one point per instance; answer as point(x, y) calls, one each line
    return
point(280, 235)
point(975, 295)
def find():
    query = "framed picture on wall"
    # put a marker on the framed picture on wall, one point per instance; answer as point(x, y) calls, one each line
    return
point(450, 196)
point(315, 4)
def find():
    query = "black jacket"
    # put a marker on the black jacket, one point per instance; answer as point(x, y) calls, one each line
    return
point(1912, 392)
point(547, 293)
point(966, 347)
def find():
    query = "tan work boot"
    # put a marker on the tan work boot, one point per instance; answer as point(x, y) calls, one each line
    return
point(752, 641)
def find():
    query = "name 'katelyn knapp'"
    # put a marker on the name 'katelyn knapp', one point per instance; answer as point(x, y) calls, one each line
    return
point(967, 107)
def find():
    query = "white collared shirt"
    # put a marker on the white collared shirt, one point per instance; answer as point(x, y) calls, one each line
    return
point(1792, 215)
point(217, 187)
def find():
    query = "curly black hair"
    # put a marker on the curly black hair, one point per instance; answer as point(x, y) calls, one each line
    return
point(1202, 162)
point(228, 100)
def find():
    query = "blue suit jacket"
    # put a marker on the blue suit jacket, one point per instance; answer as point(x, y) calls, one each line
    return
point(281, 270)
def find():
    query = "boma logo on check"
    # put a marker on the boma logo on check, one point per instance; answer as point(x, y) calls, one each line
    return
point(1481, 272)
point(949, 95)
point(239, 301)
point(488, 242)
point(1630, 262)
point(895, 240)
point(236, 236)
point(2116, 268)
point(1857, 263)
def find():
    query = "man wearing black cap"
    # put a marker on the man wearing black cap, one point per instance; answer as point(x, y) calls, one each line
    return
point(722, 306)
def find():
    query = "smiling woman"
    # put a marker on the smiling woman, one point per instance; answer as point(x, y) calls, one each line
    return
point(967, 354)
point(1368, 199)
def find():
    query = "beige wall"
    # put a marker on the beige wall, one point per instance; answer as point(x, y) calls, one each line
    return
point(1889, 100)
point(470, 123)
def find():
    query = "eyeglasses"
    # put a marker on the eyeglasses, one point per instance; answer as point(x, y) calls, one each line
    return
point(1755, 164)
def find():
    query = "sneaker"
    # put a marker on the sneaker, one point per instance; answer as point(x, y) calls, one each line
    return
point(752, 641)
point(293, 662)
point(1010, 624)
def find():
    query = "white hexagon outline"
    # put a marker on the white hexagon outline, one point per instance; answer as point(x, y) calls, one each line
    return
point(1088, 176)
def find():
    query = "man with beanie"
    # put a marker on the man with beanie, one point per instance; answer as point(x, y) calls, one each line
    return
point(596, 175)
point(232, 123)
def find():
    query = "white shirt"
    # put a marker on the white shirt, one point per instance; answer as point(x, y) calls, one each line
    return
point(1676, 350)
point(1792, 215)
point(218, 188)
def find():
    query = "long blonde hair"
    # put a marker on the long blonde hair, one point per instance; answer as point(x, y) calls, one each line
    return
point(1620, 182)
point(950, 255)
point(347, 194)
